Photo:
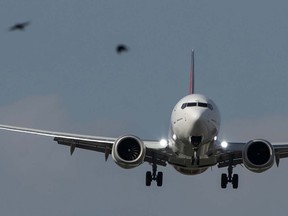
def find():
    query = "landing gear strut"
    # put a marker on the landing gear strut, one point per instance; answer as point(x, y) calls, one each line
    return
point(195, 141)
point(154, 176)
point(234, 179)
point(195, 157)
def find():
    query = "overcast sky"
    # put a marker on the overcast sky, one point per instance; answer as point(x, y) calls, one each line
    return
point(62, 73)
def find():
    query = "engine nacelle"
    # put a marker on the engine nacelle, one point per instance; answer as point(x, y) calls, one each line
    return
point(258, 155)
point(128, 151)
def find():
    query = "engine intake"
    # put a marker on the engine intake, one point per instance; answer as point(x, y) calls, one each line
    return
point(258, 155)
point(128, 151)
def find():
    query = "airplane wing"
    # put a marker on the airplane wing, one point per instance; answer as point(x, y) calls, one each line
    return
point(154, 150)
point(233, 154)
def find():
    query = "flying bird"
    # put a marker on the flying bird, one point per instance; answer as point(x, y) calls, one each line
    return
point(19, 26)
point(121, 48)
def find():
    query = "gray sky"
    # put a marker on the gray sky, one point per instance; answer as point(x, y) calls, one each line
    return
point(63, 74)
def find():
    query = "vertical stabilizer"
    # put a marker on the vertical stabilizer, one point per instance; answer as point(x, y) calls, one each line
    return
point(192, 78)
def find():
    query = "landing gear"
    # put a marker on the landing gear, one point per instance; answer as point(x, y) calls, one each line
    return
point(195, 141)
point(150, 176)
point(159, 179)
point(235, 181)
point(195, 157)
point(225, 179)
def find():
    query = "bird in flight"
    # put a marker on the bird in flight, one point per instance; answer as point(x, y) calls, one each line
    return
point(121, 48)
point(19, 26)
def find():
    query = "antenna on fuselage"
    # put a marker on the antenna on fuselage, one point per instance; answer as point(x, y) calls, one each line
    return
point(192, 78)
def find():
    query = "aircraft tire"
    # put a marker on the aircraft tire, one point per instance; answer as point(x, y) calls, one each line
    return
point(159, 179)
point(224, 180)
point(235, 181)
point(148, 178)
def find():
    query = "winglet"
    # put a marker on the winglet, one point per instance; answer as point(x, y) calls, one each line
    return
point(191, 90)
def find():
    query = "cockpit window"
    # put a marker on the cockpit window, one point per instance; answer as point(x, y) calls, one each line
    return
point(202, 104)
point(191, 104)
point(210, 106)
point(199, 104)
point(183, 105)
point(188, 105)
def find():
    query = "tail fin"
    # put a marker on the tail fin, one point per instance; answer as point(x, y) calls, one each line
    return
point(191, 90)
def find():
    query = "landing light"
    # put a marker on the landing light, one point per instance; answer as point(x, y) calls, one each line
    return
point(224, 144)
point(174, 137)
point(163, 142)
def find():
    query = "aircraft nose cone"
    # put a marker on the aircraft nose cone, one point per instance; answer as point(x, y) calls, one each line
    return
point(197, 122)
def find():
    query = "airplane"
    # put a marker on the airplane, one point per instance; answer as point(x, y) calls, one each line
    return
point(191, 148)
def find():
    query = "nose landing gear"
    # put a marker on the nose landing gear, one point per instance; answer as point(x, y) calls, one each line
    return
point(195, 141)
point(195, 157)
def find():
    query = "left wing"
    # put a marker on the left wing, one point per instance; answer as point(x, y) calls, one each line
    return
point(155, 152)
point(233, 154)
point(257, 155)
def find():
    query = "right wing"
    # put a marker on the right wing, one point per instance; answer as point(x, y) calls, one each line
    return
point(155, 152)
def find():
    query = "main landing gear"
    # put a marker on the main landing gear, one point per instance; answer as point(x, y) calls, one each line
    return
point(234, 179)
point(158, 177)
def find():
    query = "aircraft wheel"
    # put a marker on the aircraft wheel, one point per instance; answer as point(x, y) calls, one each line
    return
point(159, 179)
point(235, 181)
point(148, 178)
point(224, 180)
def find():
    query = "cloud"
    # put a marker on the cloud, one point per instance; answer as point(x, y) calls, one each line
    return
point(34, 111)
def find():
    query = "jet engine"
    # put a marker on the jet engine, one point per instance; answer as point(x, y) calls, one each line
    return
point(258, 155)
point(128, 152)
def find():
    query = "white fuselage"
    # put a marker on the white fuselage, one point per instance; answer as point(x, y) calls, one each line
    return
point(195, 123)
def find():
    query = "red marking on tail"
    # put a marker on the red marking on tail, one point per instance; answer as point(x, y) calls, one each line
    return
point(191, 80)
point(191, 90)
